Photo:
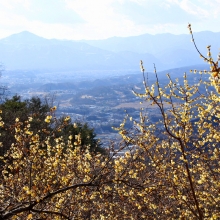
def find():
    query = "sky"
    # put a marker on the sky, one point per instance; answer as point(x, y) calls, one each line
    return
point(101, 19)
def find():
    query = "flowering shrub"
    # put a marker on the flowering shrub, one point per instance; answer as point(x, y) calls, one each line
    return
point(170, 169)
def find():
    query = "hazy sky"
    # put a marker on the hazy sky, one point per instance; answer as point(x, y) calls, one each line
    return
point(98, 19)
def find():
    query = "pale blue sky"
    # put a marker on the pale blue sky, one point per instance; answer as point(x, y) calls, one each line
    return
point(100, 19)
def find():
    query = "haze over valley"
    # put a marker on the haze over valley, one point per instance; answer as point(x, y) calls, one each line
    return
point(92, 81)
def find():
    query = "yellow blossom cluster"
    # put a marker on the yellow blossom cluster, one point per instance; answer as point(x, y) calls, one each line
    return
point(214, 68)
point(48, 118)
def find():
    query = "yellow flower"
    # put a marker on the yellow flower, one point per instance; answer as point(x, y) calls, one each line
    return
point(67, 118)
point(47, 119)
point(29, 132)
point(54, 108)
point(214, 74)
point(29, 216)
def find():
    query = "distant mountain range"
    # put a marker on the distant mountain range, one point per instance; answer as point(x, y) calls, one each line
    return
point(26, 51)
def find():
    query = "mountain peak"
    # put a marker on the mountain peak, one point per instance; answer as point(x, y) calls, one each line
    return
point(25, 33)
point(24, 36)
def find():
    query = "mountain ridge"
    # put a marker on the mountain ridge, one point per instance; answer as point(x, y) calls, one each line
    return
point(28, 51)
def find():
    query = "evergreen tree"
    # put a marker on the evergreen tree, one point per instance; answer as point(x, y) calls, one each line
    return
point(14, 110)
point(87, 135)
point(34, 112)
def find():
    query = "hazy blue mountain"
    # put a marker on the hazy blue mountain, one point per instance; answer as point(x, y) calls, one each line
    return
point(26, 51)
point(172, 50)
point(155, 44)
